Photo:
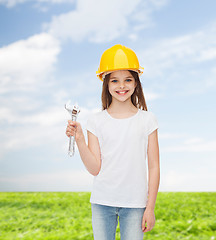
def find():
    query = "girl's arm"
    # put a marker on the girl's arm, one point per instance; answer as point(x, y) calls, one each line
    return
point(90, 154)
point(153, 168)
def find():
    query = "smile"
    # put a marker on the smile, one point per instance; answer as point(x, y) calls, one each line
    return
point(122, 92)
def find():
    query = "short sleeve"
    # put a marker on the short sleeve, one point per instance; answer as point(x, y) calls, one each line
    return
point(152, 123)
point(91, 126)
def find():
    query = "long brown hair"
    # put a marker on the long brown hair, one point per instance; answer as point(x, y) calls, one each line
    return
point(137, 98)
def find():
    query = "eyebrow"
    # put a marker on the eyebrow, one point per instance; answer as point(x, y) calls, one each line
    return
point(125, 77)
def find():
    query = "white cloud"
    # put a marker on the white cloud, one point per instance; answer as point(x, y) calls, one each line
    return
point(149, 95)
point(186, 143)
point(103, 21)
point(200, 179)
point(210, 80)
point(159, 3)
point(26, 68)
point(207, 54)
point(12, 3)
point(44, 128)
point(68, 180)
point(56, 1)
point(172, 135)
point(133, 37)
point(26, 63)
point(192, 145)
point(180, 64)
point(179, 52)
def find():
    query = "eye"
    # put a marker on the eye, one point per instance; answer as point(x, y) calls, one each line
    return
point(128, 80)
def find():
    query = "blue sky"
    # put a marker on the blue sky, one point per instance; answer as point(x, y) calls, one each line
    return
point(49, 53)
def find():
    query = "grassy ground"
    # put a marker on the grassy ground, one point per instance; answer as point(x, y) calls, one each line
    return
point(67, 216)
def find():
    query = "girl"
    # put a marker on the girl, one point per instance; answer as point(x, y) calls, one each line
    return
point(119, 138)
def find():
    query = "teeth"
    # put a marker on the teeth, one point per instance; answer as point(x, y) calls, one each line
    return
point(122, 92)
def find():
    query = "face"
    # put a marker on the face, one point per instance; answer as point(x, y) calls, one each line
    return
point(121, 85)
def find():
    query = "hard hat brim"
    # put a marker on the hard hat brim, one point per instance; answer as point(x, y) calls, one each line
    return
point(101, 75)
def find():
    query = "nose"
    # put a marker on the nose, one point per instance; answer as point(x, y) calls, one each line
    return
point(122, 85)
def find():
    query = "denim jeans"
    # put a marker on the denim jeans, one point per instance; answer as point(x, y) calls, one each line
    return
point(105, 221)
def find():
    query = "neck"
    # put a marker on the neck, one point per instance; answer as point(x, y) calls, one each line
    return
point(122, 107)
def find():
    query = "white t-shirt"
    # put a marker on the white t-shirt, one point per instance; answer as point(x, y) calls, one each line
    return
point(122, 180)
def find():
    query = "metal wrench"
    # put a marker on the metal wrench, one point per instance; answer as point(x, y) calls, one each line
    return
point(73, 111)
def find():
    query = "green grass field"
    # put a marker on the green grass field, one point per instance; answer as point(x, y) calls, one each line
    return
point(67, 215)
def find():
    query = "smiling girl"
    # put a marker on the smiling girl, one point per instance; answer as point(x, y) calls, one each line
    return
point(120, 137)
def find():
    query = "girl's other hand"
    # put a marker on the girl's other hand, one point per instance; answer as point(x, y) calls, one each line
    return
point(74, 127)
point(149, 219)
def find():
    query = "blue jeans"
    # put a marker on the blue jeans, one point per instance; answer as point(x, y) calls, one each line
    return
point(105, 221)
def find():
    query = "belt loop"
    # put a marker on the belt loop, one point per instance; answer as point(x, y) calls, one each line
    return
point(116, 210)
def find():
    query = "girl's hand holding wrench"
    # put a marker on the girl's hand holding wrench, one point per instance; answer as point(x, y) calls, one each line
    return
point(74, 128)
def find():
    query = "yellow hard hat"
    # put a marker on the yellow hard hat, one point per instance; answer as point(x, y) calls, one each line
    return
point(118, 57)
